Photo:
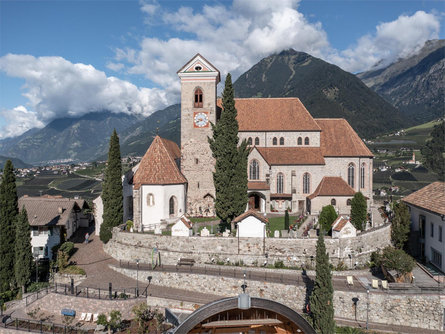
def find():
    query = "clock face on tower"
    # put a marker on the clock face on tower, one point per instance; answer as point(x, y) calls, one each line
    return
point(201, 119)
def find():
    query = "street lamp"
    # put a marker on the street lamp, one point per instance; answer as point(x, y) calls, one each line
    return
point(367, 308)
point(137, 277)
point(36, 257)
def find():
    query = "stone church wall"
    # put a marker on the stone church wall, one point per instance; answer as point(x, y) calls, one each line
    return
point(128, 246)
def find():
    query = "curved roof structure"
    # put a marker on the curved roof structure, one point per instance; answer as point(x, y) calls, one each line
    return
point(263, 313)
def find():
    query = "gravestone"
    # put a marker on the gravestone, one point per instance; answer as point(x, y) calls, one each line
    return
point(276, 234)
point(205, 232)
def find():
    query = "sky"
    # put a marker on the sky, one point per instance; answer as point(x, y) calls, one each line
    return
point(63, 58)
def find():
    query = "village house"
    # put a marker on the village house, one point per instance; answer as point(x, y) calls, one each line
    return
point(251, 224)
point(53, 219)
point(427, 208)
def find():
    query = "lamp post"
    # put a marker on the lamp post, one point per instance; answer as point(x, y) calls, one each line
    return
point(137, 277)
point(367, 308)
point(37, 266)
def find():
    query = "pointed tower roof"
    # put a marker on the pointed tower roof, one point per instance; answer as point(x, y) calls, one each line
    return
point(158, 165)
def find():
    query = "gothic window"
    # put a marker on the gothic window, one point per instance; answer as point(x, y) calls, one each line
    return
point(306, 141)
point(150, 200)
point(257, 141)
point(300, 141)
point(351, 174)
point(254, 170)
point(172, 206)
point(249, 141)
point(274, 141)
point(306, 183)
point(198, 98)
point(280, 179)
point(333, 202)
point(281, 141)
point(362, 175)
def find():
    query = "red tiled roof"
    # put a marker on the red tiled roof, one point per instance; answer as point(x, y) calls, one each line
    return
point(280, 195)
point(257, 185)
point(339, 223)
point(158, 165)
point(251, 212)
point(338, 139)
point(431, 198)
point(186, 222)
point(332, 186)
point(273, 114)
point(292, 155)
point(49, 211)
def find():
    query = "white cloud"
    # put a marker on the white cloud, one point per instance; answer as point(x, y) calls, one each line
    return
point(58, 88)
point(19, 120)
point(391, 40)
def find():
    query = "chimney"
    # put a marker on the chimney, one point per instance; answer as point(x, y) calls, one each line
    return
point(60, 210)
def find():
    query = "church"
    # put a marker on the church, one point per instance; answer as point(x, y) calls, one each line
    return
point(296, 162)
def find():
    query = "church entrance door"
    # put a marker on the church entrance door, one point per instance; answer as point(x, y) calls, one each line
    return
point(254, 202)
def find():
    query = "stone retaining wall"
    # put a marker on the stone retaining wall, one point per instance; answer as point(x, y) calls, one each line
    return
point(414, 310)
point(128, 246)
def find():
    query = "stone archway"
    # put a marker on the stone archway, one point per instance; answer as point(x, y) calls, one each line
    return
point(256, 201)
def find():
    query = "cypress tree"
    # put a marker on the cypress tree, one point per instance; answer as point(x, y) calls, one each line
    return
point(322, 307)
point(400, 225)
point(358, 211)
point(112, 195)
point(286, 220)
point(230, 176)
point(23, 250)
point(8, 216)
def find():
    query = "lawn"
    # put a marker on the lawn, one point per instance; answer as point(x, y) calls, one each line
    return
point(277, 223)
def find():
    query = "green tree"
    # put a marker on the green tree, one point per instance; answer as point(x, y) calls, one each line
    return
point(114, 323)
point(112, 195)
point(230, 176)
point(434, 150)
point(321, 302)
point(327, 216)
point(400, 225)
point(8, 217)
point(395, 259)
point(23, 251)
point(286, 220)
point(358, 211)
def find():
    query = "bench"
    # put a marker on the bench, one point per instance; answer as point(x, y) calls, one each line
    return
point(186, 262)
point(68, 312)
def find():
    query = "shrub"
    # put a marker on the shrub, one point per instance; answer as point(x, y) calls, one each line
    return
point(279, 264)
point(327, 216)
point(36, 286)
point(74, 270)
point(67, 248)
point(129, 224)
point(395, 259)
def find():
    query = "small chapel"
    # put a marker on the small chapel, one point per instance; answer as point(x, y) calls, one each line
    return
point(296, 162)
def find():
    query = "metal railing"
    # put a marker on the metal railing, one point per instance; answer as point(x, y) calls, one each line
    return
point(29, 299)
point(100, 293)
point(38, 326)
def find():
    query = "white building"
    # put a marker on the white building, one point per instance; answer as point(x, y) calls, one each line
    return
point(427, 207)
point(182, 228)
point(343, 228)
point(51, 218)
point(155, 187)
point(251, 224)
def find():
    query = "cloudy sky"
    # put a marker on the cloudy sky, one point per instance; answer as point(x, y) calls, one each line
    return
point(67, 58)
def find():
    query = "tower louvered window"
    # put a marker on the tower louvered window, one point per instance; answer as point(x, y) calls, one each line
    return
point(198, 98)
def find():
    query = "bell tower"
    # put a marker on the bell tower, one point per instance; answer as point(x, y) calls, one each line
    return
point(199, 79)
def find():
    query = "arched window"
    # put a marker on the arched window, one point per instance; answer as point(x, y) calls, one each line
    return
point(306, 141)
point(300, 141)
point(351, 174)
point(274, 141)
point(280, 179)
point(150, 200)
point(306, 183)
point(172, 206)
point(348, 202)
point(362, 175)
point(198, 98)
point(254, 170)
point(257, 141)
point(333, 202)
point(281, 141)
point(249, 141)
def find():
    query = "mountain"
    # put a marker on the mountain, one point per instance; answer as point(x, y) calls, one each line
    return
point(68, 139)
point(136, 139)
point(414, 84)
point(325, 90)
point(17, 163)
